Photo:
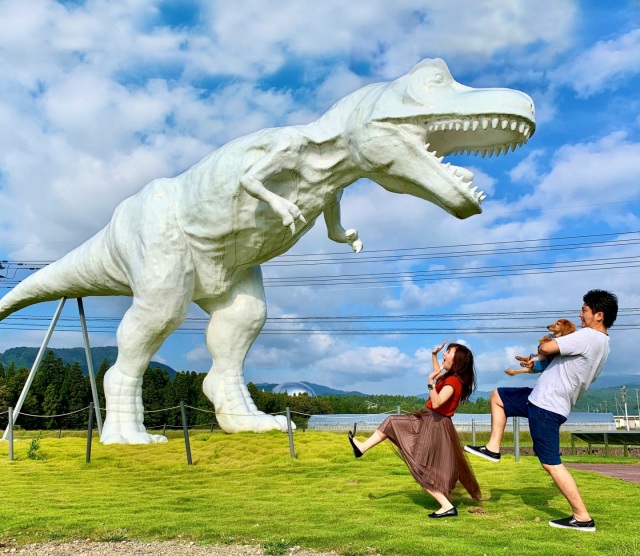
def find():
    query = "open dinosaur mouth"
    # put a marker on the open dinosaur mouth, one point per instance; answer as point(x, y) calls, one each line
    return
point(479, 135)
point(485, 135)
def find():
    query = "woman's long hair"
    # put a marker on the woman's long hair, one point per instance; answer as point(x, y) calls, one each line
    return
point(463, 368)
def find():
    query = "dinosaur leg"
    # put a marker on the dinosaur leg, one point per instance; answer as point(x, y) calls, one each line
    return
point(143, 329)
point(236, 320)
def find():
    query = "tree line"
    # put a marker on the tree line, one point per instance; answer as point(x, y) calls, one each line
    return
point(61, 388)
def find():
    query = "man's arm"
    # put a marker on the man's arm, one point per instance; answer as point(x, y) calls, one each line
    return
point(549, 348)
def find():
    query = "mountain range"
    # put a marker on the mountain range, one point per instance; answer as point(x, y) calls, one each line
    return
point(319, 389)
point(25, 356)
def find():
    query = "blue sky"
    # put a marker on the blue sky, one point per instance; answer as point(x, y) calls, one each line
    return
point(97, 98)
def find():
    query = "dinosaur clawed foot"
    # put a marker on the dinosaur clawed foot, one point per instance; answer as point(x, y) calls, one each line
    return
point(252, 423)
point(114, 434)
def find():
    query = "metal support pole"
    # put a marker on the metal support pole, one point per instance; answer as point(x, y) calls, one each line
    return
point(290, 432)
point(185, 428)
point(516, 438)
point(473, 432)
point(398, 411)
point(92, 376)
point(89, 433)
point(10, 429)
point(36, 364)
point(626, 415)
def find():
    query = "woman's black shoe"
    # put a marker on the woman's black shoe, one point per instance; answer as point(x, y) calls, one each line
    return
point(356, 450)
point(453, 512)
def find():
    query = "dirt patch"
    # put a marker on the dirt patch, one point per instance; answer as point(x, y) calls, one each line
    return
point(134, 548)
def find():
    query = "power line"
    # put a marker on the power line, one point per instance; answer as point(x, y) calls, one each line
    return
point(518, 245)
point(355, 325)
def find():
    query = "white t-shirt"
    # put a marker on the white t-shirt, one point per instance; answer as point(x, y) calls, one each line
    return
point(581, 358)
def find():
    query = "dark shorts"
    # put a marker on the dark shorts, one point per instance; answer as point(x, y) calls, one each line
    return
point(544, 425)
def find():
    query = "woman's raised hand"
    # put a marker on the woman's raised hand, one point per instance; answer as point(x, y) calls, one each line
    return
point(436, 350)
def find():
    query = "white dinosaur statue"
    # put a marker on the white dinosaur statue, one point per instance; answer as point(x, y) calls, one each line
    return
point(202, 235)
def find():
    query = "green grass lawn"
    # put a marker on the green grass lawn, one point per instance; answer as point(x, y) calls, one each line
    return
point(246, 488)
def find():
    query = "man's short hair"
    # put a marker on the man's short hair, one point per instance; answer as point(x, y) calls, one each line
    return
point(601, 301)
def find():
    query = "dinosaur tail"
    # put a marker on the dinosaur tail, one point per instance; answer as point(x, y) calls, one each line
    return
point(83, 271)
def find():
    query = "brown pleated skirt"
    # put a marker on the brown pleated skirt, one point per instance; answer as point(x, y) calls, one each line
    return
point(429, 445)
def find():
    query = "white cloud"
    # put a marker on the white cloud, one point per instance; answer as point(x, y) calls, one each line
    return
point(201, 353)
point(603, 66)
point(376, 363)
point(528, 170)
point(593, 173)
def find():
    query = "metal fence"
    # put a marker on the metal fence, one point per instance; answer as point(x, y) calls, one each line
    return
point(464, 422)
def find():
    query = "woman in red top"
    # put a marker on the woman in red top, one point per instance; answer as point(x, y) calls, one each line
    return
point(427, 440)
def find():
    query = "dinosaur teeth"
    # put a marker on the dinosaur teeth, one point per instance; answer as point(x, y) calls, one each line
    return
point(504, 126)
point(481, 198)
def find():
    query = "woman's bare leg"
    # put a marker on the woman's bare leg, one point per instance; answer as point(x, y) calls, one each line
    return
point(498, 422)
point(370, 442)
point(445, 503)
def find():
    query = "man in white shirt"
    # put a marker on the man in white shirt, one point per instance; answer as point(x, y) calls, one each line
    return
point(579, 358)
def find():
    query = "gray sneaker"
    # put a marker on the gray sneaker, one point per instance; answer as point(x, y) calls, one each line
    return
point(483, 453)
point(572, 523)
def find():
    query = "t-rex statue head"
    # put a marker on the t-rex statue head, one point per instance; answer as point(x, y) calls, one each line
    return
point(399, 132)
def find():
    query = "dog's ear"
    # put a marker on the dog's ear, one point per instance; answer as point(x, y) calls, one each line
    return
point(566, 326)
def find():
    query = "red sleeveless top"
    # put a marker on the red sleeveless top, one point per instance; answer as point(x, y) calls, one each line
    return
point(449, 407)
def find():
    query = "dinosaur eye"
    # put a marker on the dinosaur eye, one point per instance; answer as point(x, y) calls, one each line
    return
point(438, 78)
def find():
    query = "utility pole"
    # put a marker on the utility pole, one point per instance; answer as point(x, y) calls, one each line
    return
point(623, 399)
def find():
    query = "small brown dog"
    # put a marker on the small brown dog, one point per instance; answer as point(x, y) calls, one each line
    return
point(536, 363)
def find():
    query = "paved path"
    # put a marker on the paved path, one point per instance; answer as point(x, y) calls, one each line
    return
point(627, 472)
